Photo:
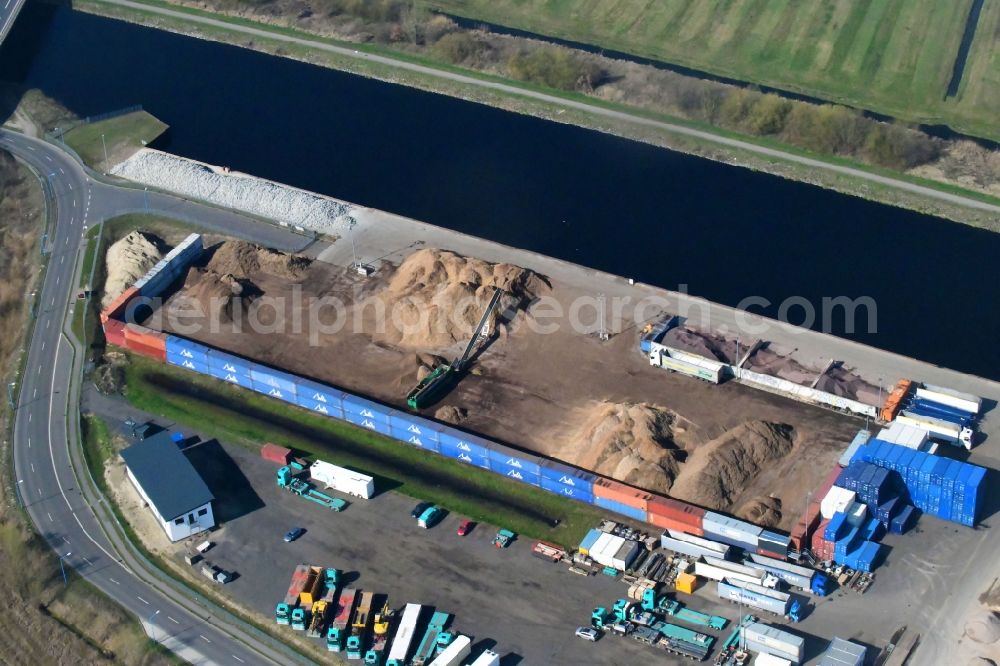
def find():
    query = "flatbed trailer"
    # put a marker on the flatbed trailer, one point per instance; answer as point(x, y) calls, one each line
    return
point(359, 626)
point(336, 633)
point(283, 611)
point(429, 644)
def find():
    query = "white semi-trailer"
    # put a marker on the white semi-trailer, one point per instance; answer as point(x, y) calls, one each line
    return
point(399, 651)
point(342, 479)
point(964, 401)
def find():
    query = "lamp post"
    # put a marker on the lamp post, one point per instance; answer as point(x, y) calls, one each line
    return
point(152, 626)
point(62, 567)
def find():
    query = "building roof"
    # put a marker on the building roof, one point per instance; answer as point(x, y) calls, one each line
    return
point(167, 477)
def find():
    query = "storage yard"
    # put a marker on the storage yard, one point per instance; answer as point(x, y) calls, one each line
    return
point(768, 474)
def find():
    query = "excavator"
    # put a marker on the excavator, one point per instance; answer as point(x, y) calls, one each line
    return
point(435, 385)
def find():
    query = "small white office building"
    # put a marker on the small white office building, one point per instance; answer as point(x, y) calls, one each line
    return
point(170, 486)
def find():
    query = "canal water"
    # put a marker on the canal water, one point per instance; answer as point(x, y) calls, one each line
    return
point(607, 203)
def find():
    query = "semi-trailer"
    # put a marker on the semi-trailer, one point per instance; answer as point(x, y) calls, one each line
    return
point(359, 626)
point(430, 644)
point(321, 608)
point(342, 479)
point(683, 641)
point(283, 611)
point(487, 658)
point(455, 653)
point(338, 629)
point(309, 595)
point(939, 429)
point(793, 574)
point(761, 637)
point(716, 569)
point(286, 479)
point(769, 601)
point(965, 402)
point(691, 365)
point(399, 651)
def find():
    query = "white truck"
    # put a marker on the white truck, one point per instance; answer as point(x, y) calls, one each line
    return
point(939, 428)
point(487, 658)
point(399, 651)
point(454, 654)
point(343, 480)
point(965, 402)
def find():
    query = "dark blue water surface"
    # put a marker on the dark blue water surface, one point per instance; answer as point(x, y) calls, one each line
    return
point(604, 202)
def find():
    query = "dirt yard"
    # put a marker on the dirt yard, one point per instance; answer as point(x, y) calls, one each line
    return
point(564, 394)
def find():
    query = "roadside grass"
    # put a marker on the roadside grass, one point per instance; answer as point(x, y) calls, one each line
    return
point(123, 135)
point(552, 110)
point(236, 415)
point(97, 448)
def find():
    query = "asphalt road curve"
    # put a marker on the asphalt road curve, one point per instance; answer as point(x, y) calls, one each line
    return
point(49, 469)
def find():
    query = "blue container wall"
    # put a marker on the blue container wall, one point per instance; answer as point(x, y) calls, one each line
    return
point(228, 362)
point(188, 363)
point(319, 392)
point(506, 457)
point(231, 377)
point(414, 439)
point(568, 476)
point(273, 378)
point(464, 456)
point(273, 392)
point(324, 408)
point(367, 422)
point(415, 425)
point(452, 439)
point(579, 494)
point(364, 409)
point(187, 349)
point(623, 509)
point(514, 472)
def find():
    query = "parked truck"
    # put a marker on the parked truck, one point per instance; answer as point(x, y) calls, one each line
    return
point(966, 402)
point(380, 636)
point(336, 633)
point(283, 611)
point(321, 608)
point(455, 653)
point(288, 480)
point(399, 651)
point(487, 658)
point(342, 479)
point(431, 644)
point(939, 429)
point(761, 598)
point(359, 626)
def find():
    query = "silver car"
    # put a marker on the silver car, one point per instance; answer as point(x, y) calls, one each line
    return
point(588, 633)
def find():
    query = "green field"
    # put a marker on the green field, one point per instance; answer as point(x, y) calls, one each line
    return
point(890, 56)
point(122, 135)
point(236, 415)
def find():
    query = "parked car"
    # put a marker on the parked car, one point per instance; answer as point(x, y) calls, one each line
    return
point(588, 633)
point(431, 517)
point(294, 534)
point(465, 527)
point(419, 509)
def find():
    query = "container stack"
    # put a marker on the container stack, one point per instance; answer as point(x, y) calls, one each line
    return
point(942, 487)
point(724, 529)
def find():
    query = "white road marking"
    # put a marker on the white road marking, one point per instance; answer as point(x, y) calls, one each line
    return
point(62, 258)
point(172, 620)
point(43, 345)
point(57, 280)
point(48, 322)
point(29, 417)
point(61, 171)
point(39, 491)
point(204, 639)
point(70, 184)
point(141, 599)
point(49, 515)
point(34, 394)
point(32, 468)
point(89, 563)
point(39, 369)
point(29, 442)
point(113, 581)
point(238, 659)
point(48, 157)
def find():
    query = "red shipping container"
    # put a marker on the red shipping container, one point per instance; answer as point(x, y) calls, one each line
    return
point(146, 337)
point(275, 453)
point(669, 523)
point(680, 512)
point(145, 350)
point(117, 307)
point(771, 553)
point(807, 523)
point(619, 492)
point(114, 332)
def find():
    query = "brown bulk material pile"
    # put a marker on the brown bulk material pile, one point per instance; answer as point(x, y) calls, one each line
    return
point(244, 260)
point(633, 443)
point(701, 343)
point(127, 260)
point(435, 298)
point(762, 511)
point(219, 298)
point(843, 382)
point(720, 470)
point(771, 363)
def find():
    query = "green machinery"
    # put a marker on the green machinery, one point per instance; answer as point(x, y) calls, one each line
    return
point(431, 388)
point(503, 538)
point(435, 639)
point(678, 611)
point(290, 482)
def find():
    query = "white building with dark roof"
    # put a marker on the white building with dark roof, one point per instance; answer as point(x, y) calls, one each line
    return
point(170, 486)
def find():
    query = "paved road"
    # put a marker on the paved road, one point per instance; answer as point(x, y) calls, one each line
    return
point(8, 12)
point(47, 460)
point(552, 99)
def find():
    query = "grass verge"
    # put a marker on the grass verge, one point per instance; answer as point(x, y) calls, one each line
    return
point(106, 142)
point(232, 414)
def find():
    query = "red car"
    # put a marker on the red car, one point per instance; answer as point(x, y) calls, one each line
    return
point(465, 527)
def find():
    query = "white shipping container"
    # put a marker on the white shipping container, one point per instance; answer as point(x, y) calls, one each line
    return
point(453, 655)
point(733, 566)
point(765, 659)
point(781, 643)
point(836, 500)
point(625, 555)
point(945, 396)
point(721, 548)
point(607, 550)
point(488, 658)
point(706, 570)
point(904, 435)
point(856, 514)
point(342, 479)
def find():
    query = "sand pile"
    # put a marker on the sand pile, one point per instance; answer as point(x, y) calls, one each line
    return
point(127, 260)
point(703, 344)
point(219, 298)
point(243, 260)
point(762, 511)
point(719, 471)
point(771, 363)
point(435, 298)
point(451, 414)
point(633, 443)
point(843, 382)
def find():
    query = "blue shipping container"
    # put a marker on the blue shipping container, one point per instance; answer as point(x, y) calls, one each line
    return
point(364, 408)
point(457, 440)
point(188, 363)
point(506, 456)
point(273, 378)
point(273, 392)
point(367, 422)
point(414, 439)
point(415, 425)
point(623, 509)
point(836, 528)
point(231, 364)
point(514, 472)
point(187, 349)
point(464, 456)
point(579, 494)
point(317, 392)
point(575, 478)
point(324, 408)
point(231, 377)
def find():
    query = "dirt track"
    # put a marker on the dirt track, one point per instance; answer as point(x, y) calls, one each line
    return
point(541, 391)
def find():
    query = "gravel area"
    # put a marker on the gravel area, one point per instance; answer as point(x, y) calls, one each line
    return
point(238, 191)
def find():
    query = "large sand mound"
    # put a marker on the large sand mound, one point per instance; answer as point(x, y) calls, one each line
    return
point(720, 470)
point(435, 298)
point(762, 511)
point(127, 260)
point(701, 343)
point(244, 260)
point(633, 443)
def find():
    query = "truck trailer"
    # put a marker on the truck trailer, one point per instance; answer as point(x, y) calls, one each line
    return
point(770, 601)
point(431, 644)
point(965, 402)
point(342, 479)
point(939, 429)
point(359, 626)
point(455, 653)
point(399, 651)
point(336, 633)
point(487, 658)
point(283, 611)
